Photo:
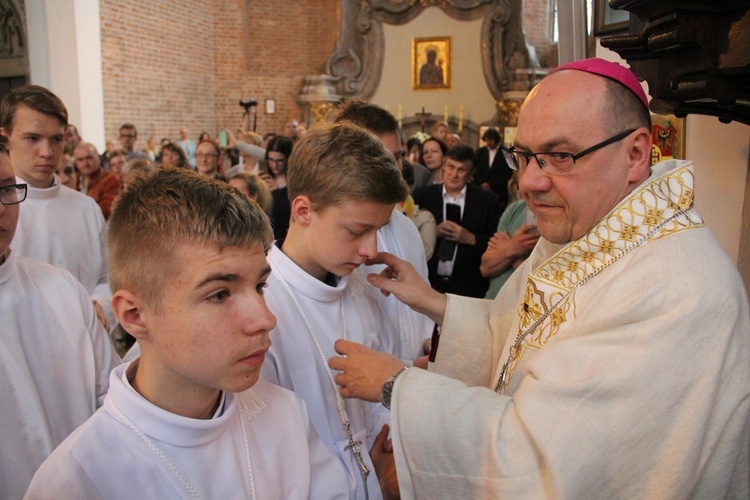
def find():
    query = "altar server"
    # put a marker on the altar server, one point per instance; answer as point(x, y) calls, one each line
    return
point(55, 356)
point(187, 419)
point(343, 186)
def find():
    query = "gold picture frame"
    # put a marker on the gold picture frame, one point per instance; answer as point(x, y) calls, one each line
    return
point(667, 138)
point(431, 63)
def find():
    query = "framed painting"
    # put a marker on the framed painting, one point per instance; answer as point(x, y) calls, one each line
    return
point(431, 63)
point(667, 138)
point(609, 21)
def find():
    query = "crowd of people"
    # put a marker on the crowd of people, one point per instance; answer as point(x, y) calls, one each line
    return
point(342, 312)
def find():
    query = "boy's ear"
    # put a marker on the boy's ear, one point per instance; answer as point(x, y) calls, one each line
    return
point(302, 208)
point(128, 308)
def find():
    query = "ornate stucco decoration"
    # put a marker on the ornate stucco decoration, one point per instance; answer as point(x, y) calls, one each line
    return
point(357, 62)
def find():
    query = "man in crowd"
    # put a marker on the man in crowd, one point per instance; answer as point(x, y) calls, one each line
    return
point(207, 155)
point(57, 225)
point(128, 138)
point(613, 363)
point(491, 170)
point(97, 183)
point(291, 130)
point(467, 217)
point(55, 357)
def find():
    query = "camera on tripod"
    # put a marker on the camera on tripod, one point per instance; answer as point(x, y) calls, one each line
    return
point(248, 104)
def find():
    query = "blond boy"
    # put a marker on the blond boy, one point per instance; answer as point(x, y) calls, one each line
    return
point(343, 186)
point(186, 419)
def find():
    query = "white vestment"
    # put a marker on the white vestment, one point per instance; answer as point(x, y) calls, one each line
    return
point(294, 361)
point(55, 359)
point(401, 238)
point(131, 448)
point(636, 385)
point(67, 229)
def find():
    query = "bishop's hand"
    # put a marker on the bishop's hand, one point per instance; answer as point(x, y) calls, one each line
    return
point(402, 280)
point(363, 370)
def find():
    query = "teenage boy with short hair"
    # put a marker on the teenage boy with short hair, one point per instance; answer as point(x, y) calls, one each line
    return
point(343, 186)
point(188, 268)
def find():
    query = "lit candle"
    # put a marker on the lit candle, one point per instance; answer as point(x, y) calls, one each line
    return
point(445, 115)
point(399, 116)
point(460, 118)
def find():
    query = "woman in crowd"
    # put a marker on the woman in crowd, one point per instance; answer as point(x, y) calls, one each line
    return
point(432, 153)
point(172, 155)
point(254, 188)
point(277, 154)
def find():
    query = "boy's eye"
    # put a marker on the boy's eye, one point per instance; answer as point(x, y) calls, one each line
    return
point(219, 296)
point(354, 233)
point(260, 287)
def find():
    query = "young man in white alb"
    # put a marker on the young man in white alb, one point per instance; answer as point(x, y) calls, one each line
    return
point(55, 357)
point(187, 419)
point(343, 186)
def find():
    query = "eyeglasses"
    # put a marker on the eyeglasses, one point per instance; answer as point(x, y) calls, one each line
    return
point(206, 155)
point(554, 162)
point(13, 194)
point(282, 161)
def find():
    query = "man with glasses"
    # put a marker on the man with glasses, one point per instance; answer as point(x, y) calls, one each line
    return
point(128, 138)
point(58, 225)
point(614, 362)
point(207, 155)
point(55, 357)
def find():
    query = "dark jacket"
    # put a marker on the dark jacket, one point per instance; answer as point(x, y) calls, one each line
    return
point(497, 175)
point(480, 215)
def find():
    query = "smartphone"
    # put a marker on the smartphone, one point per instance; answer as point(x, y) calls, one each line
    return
point(223, 139)
point(453, 212)
point(530, 218)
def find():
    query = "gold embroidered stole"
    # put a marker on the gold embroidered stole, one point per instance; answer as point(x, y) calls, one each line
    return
point(554, 281)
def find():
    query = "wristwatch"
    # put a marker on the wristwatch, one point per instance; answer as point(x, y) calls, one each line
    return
point(387, 391)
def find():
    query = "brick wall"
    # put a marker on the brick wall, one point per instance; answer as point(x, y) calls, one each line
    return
point(536, 21)
point(170, 65)
point(167, 66)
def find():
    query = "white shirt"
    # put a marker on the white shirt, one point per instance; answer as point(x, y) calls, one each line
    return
point(67, 229)
point(54, 362)
point(401, 238)
point(294, 361)
point(492, 153)
point(116, 453)
point(445, 267)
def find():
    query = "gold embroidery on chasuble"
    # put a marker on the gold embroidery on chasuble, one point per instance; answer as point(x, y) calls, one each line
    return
point(551, 287)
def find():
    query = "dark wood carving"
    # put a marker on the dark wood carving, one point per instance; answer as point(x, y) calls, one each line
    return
point(694, 54)
point(357, 62)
